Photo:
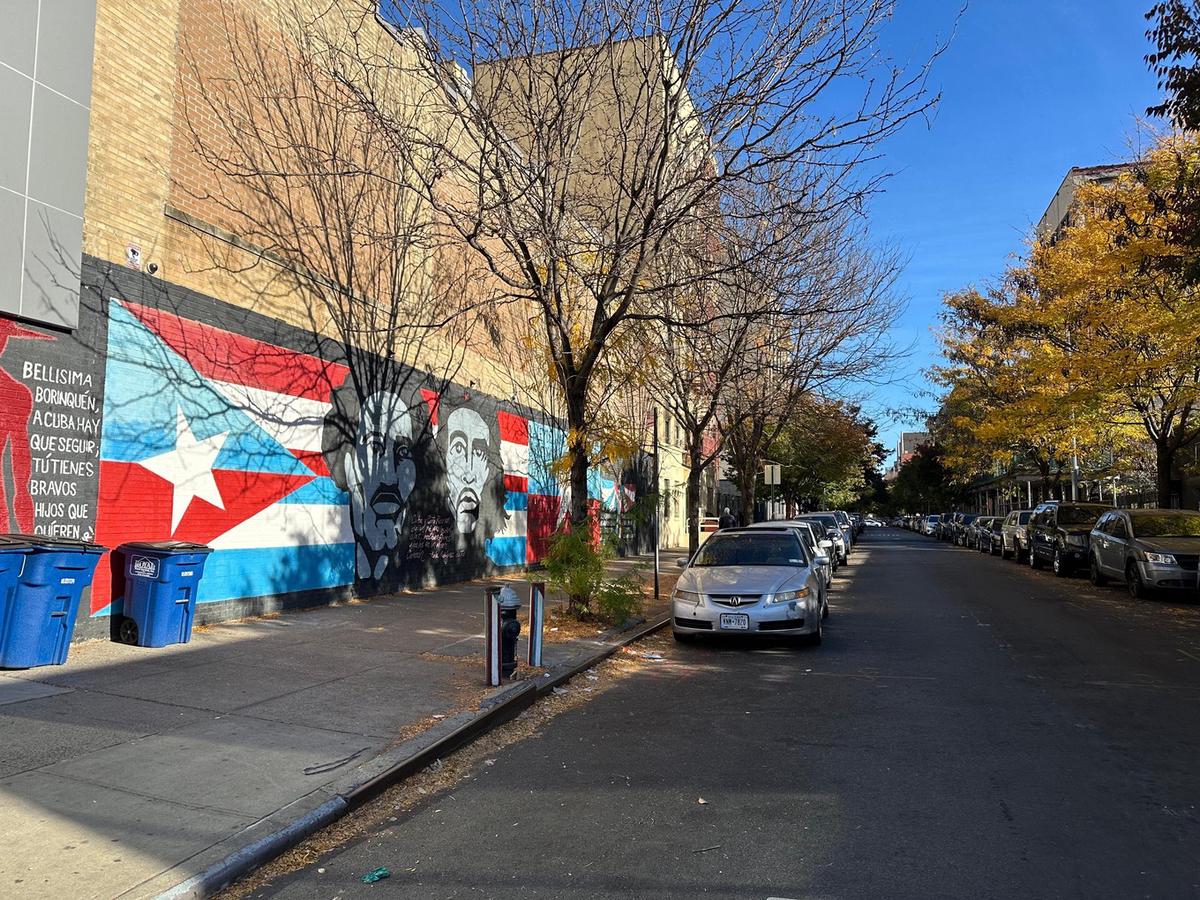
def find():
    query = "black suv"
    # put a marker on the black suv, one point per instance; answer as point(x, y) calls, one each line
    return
point(1058, 534)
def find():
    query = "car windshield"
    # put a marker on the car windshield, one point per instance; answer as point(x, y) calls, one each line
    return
point(1078, 515)
point(968, 519)
point(746, 549)
point(1023, 518)
point(826, 521)
point(1181, 525)
point(934, 519)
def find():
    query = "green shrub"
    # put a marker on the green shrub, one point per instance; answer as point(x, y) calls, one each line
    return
point(577, 567)
point(619, 599)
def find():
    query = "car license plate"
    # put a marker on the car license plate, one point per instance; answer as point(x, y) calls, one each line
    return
point(735, 621)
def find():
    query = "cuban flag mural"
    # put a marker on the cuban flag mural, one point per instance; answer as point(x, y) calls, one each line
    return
point(213, 437)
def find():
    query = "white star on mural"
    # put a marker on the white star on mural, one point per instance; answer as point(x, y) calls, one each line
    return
point(189, 468)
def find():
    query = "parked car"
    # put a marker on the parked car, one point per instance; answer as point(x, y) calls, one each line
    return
point(819, 548)
point(993, 538)
point(1015, 535)
point(1148, 549)
point(833, 531)
point(843, 520)
point(961, 524)
point(1058, 534)
point(970, 537)
point(756, 581)
point(931, 524)
point(981, 533)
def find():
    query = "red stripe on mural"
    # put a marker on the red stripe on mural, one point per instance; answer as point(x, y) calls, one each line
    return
point(517, 484)
point(314, 459)
point(433, 401)
point(224, 356)
point(513, 428)
point(135, 505)
point(539, 528)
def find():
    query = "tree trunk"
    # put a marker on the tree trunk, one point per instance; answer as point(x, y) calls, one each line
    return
point(577, 453)
point(1164, 462)
point(746, 486)
point(693, 506)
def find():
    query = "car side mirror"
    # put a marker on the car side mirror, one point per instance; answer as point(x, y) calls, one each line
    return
point(821, 560)
point(681, 562)
point(827, 543)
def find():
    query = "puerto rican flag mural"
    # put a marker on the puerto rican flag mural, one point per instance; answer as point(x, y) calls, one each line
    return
point(214, 437)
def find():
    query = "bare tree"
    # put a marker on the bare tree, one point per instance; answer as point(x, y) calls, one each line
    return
point(837, 303)
point(599, 136)
point(308, 205)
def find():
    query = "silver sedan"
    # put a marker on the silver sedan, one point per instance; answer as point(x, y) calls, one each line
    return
point(749, 581)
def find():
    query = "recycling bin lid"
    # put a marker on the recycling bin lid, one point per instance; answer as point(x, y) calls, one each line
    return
point(45, 542)
point(13, 543)
point(167, 546)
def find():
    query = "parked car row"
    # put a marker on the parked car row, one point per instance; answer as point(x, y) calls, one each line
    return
point(770, 578)
point(1146, 549)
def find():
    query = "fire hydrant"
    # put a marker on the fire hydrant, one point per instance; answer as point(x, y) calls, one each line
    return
point(510, 630)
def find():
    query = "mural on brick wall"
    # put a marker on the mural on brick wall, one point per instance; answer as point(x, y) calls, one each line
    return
point(51, 386)
point(302, 481)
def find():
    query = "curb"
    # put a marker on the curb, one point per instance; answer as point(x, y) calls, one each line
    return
point(502, 707)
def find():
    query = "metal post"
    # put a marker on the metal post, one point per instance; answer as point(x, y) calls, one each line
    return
point(1074, 467)
point(537, 621)
point(491, 636)
point(657, 503)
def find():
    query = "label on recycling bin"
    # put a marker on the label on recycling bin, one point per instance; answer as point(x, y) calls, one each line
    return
point(188, 574)
point(66, 581)
point(144, 566)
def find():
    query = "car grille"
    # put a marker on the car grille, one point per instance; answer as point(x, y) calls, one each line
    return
point(693, 623)
point(1189, 561)
point(735, 601)
point(781, 625)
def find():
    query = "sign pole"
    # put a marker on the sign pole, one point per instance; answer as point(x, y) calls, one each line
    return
point(491, 635)
point(537, 621)
point(657, 504)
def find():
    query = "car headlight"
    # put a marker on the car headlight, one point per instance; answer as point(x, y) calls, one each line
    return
point(1077, 540)
point(788, 596)
point(687, 597)
point(1163, 559)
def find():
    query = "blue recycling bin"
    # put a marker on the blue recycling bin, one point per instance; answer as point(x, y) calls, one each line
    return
point(160, 583)
point(12, 559)
point(45, 602)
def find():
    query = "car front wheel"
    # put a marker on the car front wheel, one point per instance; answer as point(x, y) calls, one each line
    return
point(1133, 581)
point(1034, 562)
point(1098, 577)
point(1059, 564)
point(817, 636)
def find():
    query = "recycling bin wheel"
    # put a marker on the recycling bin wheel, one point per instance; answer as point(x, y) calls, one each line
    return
point(128, 632)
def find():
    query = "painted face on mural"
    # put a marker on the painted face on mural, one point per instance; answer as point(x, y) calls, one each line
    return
point(380, 474)
point(468, 470)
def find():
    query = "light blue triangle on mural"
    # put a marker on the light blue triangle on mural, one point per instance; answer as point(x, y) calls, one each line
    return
point(147, 384)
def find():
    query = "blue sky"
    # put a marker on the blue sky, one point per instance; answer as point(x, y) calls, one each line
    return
point(1029, 89)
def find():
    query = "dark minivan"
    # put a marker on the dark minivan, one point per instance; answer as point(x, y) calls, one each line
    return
point(1058, 534)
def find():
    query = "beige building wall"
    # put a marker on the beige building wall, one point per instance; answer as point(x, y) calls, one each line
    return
point(147, 188)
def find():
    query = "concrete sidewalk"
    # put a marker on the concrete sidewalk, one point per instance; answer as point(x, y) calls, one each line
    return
point(129, 770)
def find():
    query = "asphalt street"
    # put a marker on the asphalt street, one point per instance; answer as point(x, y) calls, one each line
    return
point(970, 728)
